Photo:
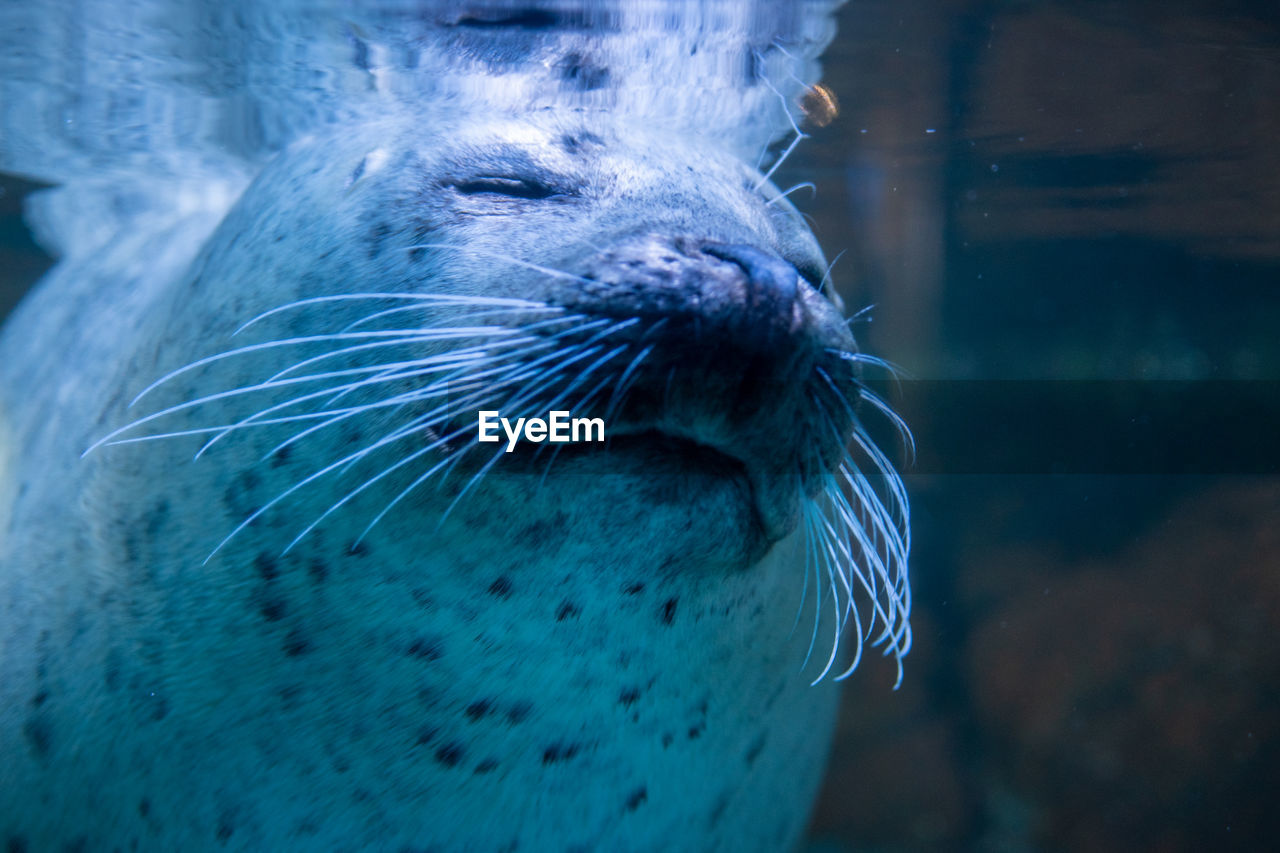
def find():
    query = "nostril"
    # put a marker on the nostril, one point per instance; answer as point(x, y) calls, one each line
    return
point(774, 282)
point(772, 289)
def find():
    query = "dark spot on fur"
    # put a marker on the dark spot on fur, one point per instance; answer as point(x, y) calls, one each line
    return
point(667, 739)
point(634, 589)
point(479, 709)
point(558, 752)
point(450, 754)
point(636, 797)
point(266, 566)
point(79, 844)
point(422, 598)
point(696, 730)
point(281, 456)
point(519, 712)
point(377, 237)
point(296, 643)
point(537, 534)
point(487, 766)
point(156, 518)
point(426, 648)
point(717, 810)
point(16, 844)
point(669, 610)
point(573, 143)
point(362, 60)
point(249, 480)
point(144, 807)
point(753, 752)
point(582, 75)
point(289, 695)
point(359, 549)
point(628, 697)
point(38, 731)
point(226, 826)
point(159, 707)
point(427, 735)
point(318, 571)
point(501, 587)
point(428, 695)
point(40, 698)
point(567, 610)
point(271, 607)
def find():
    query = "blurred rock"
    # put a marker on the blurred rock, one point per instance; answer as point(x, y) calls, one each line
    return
point(1131, 702)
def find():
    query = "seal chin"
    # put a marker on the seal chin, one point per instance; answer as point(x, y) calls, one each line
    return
point(770, 505)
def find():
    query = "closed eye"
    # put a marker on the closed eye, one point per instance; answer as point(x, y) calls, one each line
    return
point(812, 273)
point(527, 188)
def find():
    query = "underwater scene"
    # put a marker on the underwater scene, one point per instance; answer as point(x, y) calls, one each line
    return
point(576, 425)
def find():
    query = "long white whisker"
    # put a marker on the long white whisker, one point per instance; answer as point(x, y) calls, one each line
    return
point(306, 339)
point(507, 258)
point(439, 442)
point(426, 336)
point(785, 193)
point(471, 315)
point(428, 365)
point(794, 142)
point(447, 298)
point(826, 276)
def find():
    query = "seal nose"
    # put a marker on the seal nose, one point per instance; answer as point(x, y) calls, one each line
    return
point(772, 286)
point(710, 296)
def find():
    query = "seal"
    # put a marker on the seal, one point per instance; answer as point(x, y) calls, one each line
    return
point(287, 601)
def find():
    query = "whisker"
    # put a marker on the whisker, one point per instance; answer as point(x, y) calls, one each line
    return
point(448, 298)
point(507, 258)
point(806, 185)
point(619, 390)
point(861, 313)
point(427, 367)
point(903, 430)
point(307, 339)
point(862, 358)
point(417, 454)
point(863, 544)
point(424, 337)
point(794, 126)
point(497, 312)
point(826, 276)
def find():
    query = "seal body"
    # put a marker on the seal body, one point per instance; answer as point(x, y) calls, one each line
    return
point(343, 626)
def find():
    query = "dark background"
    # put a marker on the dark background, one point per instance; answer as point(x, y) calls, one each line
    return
point(1067, 217)
point(1079, 269)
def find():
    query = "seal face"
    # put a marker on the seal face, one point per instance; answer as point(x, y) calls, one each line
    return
point(348, 625)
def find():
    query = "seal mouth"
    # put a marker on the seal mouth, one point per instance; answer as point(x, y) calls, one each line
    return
point(694, 465)
point(700, 455)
